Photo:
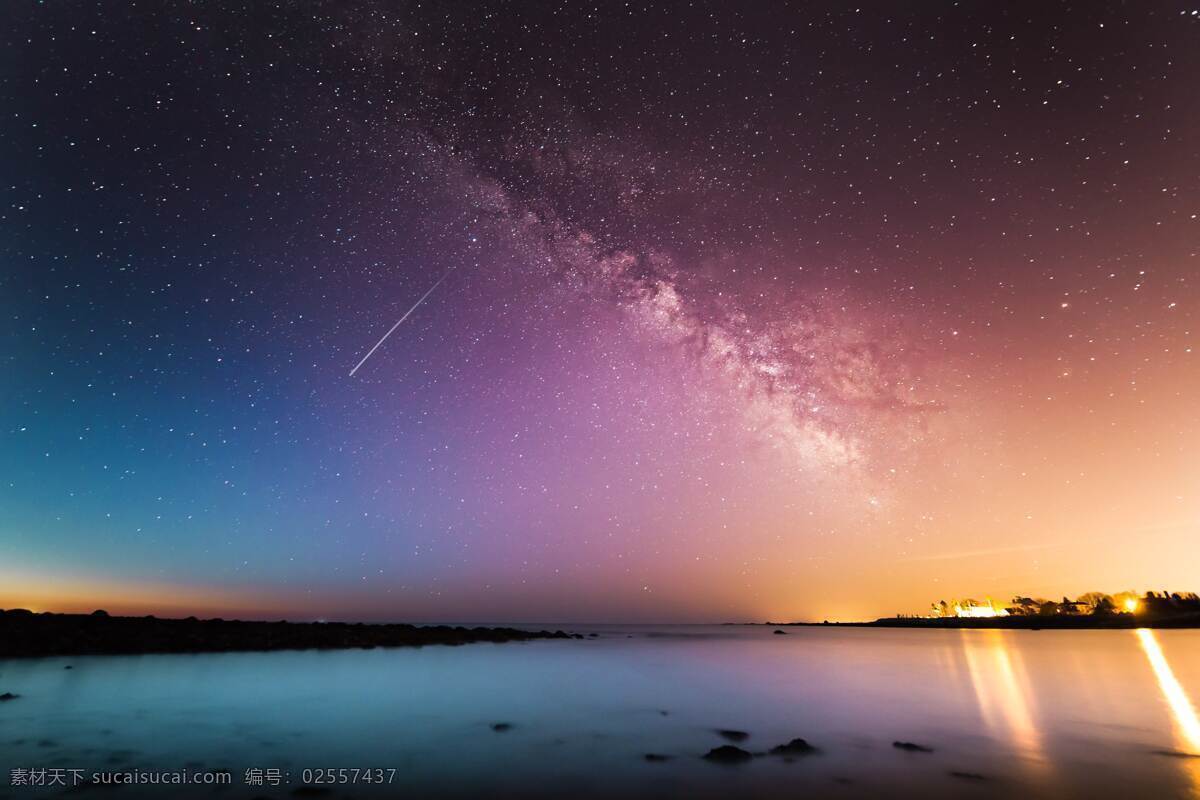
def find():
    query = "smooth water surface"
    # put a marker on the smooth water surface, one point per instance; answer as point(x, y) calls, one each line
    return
point(1008, 713)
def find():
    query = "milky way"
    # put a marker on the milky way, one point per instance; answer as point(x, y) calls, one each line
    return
point(816, 311)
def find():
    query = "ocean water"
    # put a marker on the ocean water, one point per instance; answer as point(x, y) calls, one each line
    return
point(1007, 714)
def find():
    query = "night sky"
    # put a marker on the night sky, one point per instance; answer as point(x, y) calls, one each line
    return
point(746, 310)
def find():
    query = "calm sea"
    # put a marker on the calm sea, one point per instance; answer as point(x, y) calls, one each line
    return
point(1006, 713)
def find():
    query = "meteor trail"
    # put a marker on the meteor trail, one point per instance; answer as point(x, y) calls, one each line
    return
point(397, 325)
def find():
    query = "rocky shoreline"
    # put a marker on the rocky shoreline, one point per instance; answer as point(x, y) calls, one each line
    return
point(25, 634)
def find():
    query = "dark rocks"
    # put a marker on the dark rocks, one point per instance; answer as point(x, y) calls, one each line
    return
point(780, 633)
point(1176, 754)
point(99, 612)
point(796, 747)
point(501, 727)
point(656, 758)
point(24, 634)
point(912, 747)
point(8, 696)
point(120, 756)
point(732, 735)
point(967, 776)
point(727, 754)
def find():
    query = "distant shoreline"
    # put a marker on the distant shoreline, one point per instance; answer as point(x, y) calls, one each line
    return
point(25, 634)
point(1058, 623)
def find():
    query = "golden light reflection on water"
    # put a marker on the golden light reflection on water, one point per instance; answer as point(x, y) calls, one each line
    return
point(1001, 690)
point(1181, 707)
point(1183, 713)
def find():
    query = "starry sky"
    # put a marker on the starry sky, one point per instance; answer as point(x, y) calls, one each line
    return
point(747, 311)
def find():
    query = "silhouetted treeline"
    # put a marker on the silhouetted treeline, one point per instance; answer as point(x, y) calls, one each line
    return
point(1151, 604)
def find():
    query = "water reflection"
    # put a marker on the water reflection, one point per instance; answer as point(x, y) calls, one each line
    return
point(1035, 715)
point(1181, 707)
point(999, 682)
point(1002, 694)
point(1182, 712)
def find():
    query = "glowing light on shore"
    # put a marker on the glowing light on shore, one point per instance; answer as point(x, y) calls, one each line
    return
point(1131, 604)
point(979, 611)
point(969, 608)
point(1181, 707)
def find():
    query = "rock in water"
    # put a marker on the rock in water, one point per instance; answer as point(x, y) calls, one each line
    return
point(912, 747)
point(732, 735)
point(8, 696)
point(796, 747)
point(967, 776)
point(728, 754)
point(1175, 754)
point(501, 727)
point(656, 758)
point(780, 633)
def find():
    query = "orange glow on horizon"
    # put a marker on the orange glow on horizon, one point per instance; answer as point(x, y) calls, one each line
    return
point(127, 599)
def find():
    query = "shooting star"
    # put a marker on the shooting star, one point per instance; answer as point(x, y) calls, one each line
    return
point(397, 325)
